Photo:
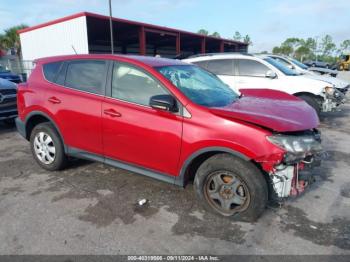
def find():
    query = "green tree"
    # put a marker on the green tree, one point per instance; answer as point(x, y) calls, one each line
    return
point(290, 45)
point(10, 39)
point(247, 40)
point(286, 50)
point(276, 50)
point(344, 46)
point(301, 52)
point(215, 34)
point(237, 36)
point(203, 32)
point(327, 46)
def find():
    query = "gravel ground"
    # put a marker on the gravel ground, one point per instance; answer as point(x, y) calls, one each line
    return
point(90, 209)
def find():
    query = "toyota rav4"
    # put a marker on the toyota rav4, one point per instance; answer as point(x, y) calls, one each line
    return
point(171, 121)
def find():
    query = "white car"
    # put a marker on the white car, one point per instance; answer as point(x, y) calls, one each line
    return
point(244, 71)
point(302, 69)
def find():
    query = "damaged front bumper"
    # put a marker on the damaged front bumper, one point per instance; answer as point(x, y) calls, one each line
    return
point(291, 180)
point(290, 176)
point(332, 102)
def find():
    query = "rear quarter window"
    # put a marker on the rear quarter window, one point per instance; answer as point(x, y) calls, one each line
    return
point(51, 71)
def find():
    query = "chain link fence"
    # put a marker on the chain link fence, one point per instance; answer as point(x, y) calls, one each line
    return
point(17, 66)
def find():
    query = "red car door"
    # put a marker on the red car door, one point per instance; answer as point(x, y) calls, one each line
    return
point(135, 133)
point(75, 100)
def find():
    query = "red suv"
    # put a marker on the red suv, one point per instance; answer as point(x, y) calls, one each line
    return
point(172, 121)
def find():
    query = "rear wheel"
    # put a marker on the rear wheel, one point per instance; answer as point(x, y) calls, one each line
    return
point(231, 187)
point(312, 102)
point(47, 147)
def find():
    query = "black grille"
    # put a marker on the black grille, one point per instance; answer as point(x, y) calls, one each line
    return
point(11, 91)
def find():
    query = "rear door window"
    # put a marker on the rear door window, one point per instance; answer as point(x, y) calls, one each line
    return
point(247, 67)
point(87, 75)
point(221, 66)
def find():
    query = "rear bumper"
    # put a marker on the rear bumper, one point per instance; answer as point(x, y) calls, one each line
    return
point(21, 127)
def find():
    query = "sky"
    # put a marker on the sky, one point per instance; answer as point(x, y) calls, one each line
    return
point(267, 22)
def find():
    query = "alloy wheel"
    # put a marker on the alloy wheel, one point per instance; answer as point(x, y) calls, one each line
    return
point(226, 192)
point(44, 148)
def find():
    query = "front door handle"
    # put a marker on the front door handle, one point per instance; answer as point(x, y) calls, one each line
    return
point(54, 100)
point(112, 113)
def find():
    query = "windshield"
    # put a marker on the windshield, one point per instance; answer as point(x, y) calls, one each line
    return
point(301, 65)
point(199, 85)
point(285, 70)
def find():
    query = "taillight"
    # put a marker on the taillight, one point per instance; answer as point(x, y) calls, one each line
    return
point(20, 99)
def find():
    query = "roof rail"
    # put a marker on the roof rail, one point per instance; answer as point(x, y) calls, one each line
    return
point(222, 53)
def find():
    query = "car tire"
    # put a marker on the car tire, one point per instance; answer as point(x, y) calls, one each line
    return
point(47, 147)
point(312, 102)
point(313, 65)
point(242, 193)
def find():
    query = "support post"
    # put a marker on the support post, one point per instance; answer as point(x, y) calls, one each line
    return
point(178, 44)
point(142, 40)
point(111, 26)
point(203, 45)
point(222, 47)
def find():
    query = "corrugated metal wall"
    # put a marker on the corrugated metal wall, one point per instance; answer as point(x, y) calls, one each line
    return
point(56, 39)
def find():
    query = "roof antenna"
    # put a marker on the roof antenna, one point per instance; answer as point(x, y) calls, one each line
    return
point(75, 51)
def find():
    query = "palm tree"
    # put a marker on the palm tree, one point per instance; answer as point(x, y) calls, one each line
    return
point(10, 39)
point(237, 36)
point(247, 40)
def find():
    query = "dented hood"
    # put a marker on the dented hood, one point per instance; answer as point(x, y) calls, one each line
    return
point(271, 109)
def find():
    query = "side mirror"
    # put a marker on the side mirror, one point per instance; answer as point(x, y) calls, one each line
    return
point(270, 74)
point(291, 67)
point(164, 102)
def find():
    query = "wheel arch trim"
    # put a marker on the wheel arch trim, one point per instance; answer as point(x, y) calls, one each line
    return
point(40, 113)
point(181, 178)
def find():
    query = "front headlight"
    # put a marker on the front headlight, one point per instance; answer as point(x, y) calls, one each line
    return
point(296, 144)
point(329, 90)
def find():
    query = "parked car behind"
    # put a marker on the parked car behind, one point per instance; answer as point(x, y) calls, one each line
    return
point(314, 63)
point(321, 70)
point(302, 69)
point(242, 71)
point(6, 74)
point(172, 121)
point(8, 105)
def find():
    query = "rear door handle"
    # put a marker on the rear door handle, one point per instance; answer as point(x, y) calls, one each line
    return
point(112, 113)
point(54, 100)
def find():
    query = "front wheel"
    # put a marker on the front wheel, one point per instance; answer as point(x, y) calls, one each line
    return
point(231, 187)
point(47, 147)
